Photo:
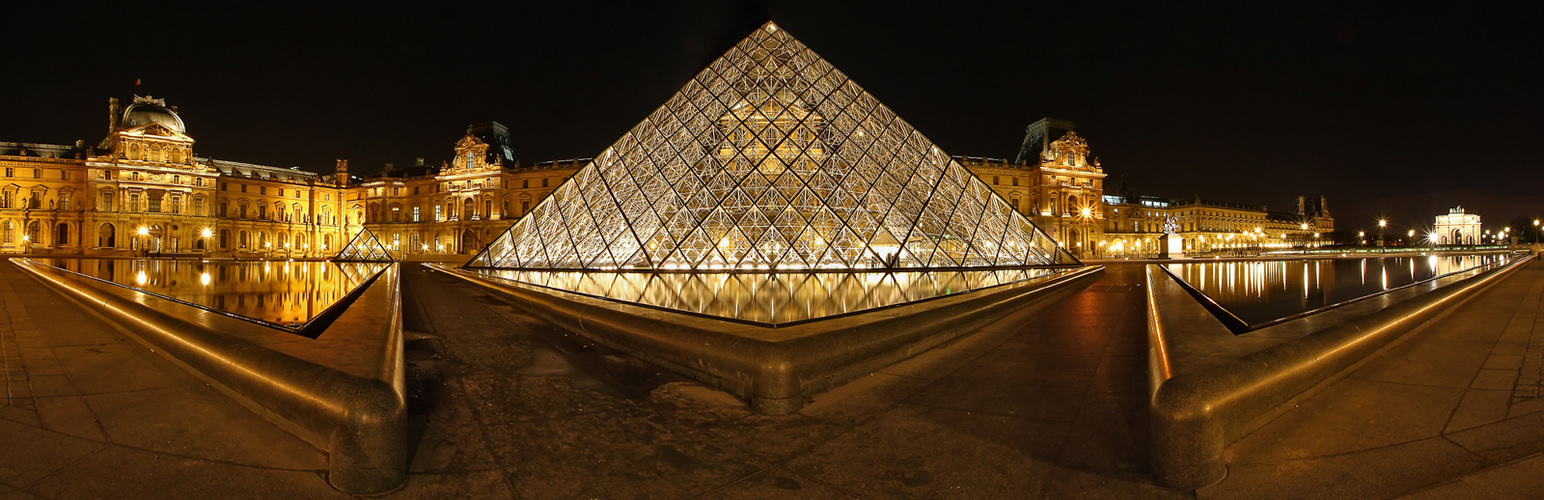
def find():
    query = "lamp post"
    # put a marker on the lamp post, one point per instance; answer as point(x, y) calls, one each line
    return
point(1409, 237)
point(1535, 230)
point(1085, 214)
point(1382, 224)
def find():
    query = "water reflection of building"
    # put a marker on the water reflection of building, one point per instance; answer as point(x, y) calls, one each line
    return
point(1060, 186)
point(1457, 228)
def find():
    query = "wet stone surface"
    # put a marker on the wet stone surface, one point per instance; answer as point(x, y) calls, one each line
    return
point(495, 390)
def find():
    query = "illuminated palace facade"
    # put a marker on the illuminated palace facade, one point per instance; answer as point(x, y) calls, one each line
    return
point(142, 190)
point(1060, 186)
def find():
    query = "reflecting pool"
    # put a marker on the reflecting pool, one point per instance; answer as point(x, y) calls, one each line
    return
point(283, 294)
point(1264, 292)
point(770, 298)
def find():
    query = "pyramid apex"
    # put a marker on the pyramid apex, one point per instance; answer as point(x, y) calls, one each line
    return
point(769, 26)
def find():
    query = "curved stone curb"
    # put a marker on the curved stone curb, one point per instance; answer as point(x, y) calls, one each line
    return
point(359, 420)
point(1210, 388)
point(777, 369)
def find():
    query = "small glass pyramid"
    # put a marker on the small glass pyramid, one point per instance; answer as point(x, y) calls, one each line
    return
point(363, 248)
point(772, 159)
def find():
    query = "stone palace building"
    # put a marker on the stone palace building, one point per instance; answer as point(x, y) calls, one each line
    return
point(144, 191)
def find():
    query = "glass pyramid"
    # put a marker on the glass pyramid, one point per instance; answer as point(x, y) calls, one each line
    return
point(772, 159)
point(363, 248)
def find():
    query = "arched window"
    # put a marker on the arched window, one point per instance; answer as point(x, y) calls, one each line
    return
point(225, 239)
point(62, 235)
point(10, 232)
point(468, 210)
point(326, 241)
point(107, 236)
point(241, 239)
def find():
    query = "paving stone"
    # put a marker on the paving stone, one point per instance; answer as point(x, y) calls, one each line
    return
point(45, 452)
point(119, 366)
point(1374, 473)
point(777, 483)
point(1350, 415)
point(1506, 440)
point(1072, 483)
point(1504, 362)
point(1510, 480)
point(52, 385)
point(119, 472)
point(1495, 379)
point(1525, 407)
point(200, 422)
point(616, 455)
point(979, 388)
point(947, 453)
point(69, 415)
point(1479, 407)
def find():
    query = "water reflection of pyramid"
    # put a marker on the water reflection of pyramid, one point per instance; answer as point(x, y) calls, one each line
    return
point(364, 248)
point(772, 159)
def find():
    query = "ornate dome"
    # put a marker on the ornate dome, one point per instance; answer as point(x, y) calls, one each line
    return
point(146, 110)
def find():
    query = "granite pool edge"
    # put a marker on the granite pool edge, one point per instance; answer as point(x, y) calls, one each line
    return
point(360, 421)
point(1198, 406)
point(776, 374)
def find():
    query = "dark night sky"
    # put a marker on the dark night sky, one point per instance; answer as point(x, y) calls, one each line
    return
point(1401, 109)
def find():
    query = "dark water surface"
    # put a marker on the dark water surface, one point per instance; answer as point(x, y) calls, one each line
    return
point(1263, 291)
point(284, 293)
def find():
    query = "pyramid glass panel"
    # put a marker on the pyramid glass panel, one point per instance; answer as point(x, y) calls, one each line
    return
point(364, 247)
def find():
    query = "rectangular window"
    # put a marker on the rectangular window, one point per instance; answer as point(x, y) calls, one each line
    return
point(396, 191)
point(525, 183)
point(243, 211)
point(155, 205)
point(133, 202)
point(262, 212)
point(176, 204)
point(198, 206)
point(544, 182)
point(64, 175)
point(415, 189)
point(37, 173)
point(243, 188)
point(438, 214)
point(1015, 181)
point(994, 180)
point(525, 206)
point(107, 201)
point(281, 191)
point(415, 214)
point(10, 172)
point(223, 207)
point(262, 190)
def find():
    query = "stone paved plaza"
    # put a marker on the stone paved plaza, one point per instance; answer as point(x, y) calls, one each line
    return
point(1047, 406)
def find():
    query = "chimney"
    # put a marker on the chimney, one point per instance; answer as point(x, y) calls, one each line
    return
point(112, 115)
point(342, 177)
point(1302, 208)
point(1324, 207)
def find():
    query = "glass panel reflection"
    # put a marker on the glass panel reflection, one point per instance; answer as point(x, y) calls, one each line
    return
point(768, 298)
point(287, 294)
point(1264, 291)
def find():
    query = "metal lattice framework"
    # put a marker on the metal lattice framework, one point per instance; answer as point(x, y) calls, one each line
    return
point(772, 159)
point(364, 248)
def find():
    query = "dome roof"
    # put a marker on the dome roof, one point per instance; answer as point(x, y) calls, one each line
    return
point(145, 113)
